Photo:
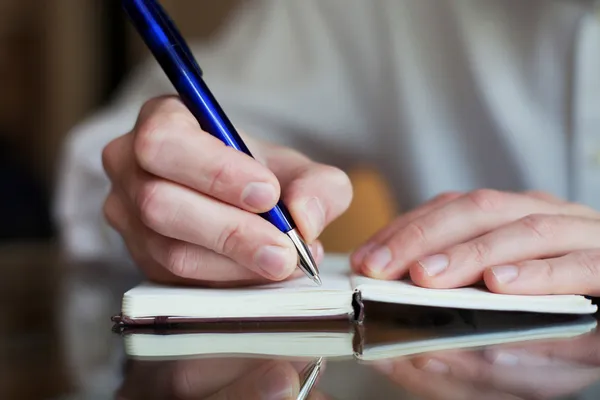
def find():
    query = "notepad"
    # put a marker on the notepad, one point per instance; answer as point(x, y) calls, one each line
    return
point(371, 342)
point(341, 296)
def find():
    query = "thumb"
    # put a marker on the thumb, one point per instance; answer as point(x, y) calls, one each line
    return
point(275, 380)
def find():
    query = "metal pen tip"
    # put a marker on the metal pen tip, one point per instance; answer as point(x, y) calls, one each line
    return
point(305, 259)
point(317, 280)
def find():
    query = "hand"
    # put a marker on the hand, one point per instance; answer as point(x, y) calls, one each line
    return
point(531, 370)
point(186, 205)
point(214, 379)
point(530, 243)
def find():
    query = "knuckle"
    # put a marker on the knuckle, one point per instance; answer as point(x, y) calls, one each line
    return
point(446, 196)
point(181, 261)
point(539, 225)
point(487, 200)
point(340, 184)
point(416, 232)
point(155, 129)
point(151, 204)
point(109, 162)
point(183, 381)
point(546, 269)
point(589, 262)
point(149, 139)
point(229, 239)
point(479, 251)
point(336, 176)
point(108, 210)
point(222, 176)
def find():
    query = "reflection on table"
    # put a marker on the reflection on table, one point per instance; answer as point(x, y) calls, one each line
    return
point(61, 340)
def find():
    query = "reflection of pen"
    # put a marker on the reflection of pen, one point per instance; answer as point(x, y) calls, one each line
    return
point(309, 377)
point(172, 53)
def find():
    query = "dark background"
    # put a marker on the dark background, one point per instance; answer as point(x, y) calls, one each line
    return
point(59, 61)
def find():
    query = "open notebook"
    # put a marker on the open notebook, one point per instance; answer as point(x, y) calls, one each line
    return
point(341, 296)
point(449, 329)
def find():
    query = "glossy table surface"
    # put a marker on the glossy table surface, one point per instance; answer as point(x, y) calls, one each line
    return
point(56, 342)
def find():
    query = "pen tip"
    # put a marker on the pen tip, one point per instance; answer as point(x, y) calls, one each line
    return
point(317, 280)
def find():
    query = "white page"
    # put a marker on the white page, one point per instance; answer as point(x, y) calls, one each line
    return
point(294, 298)
point(405, 292)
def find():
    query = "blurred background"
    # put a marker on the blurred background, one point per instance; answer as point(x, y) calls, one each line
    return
point(60, 60)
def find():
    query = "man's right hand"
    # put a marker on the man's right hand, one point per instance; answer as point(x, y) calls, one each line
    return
point(186, 205)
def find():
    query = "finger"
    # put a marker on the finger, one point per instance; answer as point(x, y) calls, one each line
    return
point(574, 273)
point(199, 378)
point(172, 261)
point(169, 143)
point(574, 209)
point(116, 213)
point(314, 193)
point(544, 196)
point(506, 356)
point(457, 221)
point(317, 395)
point(117, 159)
point(200, 266)
point(583, 350)
point(275, 380)
point(535, 236)
point(132, 231)
point(521, 376)
point(537, 376)
point(383, 235)
point(460, 220)
point(431, 380)
point(180, 213)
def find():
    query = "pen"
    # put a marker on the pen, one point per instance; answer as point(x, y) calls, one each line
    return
point(175, 58)
point(309, 376)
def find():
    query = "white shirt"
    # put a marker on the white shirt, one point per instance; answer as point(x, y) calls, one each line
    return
point(439, 95)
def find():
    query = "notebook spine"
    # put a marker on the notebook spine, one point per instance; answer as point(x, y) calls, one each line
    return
point(358, 340)
point(358, 306)
point(125, 321)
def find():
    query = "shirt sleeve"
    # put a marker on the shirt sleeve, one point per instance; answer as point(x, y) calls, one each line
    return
point(278, 73)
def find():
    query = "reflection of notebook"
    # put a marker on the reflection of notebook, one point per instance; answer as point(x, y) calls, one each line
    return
point(420, 330)
point(340, 296)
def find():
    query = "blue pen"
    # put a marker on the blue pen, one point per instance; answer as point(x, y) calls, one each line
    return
point(174, 56)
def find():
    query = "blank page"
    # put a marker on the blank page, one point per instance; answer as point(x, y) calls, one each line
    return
point(294, 298)
point(405, 292)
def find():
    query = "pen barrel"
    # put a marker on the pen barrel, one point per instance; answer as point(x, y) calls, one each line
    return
point(213, 120)
point(174, 56)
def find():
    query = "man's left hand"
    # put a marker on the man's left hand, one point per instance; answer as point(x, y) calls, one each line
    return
point(518, 243)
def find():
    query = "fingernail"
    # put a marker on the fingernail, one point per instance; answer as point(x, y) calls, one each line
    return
point(361, 253)
point(436, 366)
point(315, 215)
point(379, 259)
point(276, 385)
point(385, 367)
point(259, 195)
point(317, 251)
point(274, 261)
point(505, 273)
point(500, 357)
point(434, 265)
